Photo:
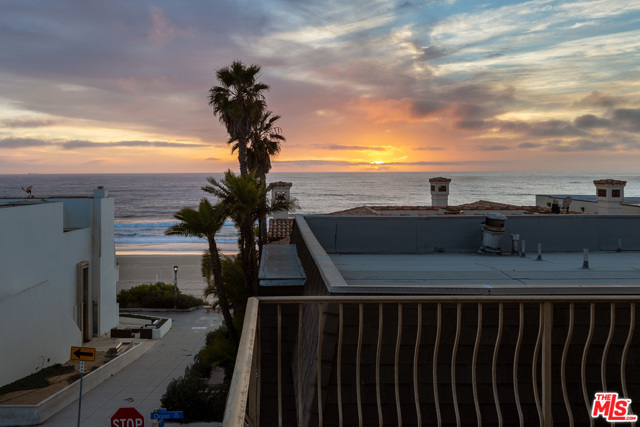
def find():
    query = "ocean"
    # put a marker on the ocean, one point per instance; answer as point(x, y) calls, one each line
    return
point(145, 203)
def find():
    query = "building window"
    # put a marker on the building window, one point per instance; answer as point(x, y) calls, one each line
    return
point(602, 192)
point(442, 189)
point(615, 193)
point(433, 188)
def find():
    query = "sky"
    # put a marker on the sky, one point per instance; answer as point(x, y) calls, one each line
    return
point(122, 87)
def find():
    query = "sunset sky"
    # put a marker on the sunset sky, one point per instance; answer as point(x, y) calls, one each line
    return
point(122, 86)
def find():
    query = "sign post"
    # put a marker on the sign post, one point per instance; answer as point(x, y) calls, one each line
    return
point(83, 354)
point(127, 417)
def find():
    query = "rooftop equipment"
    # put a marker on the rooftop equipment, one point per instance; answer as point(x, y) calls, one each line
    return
point(492, 231)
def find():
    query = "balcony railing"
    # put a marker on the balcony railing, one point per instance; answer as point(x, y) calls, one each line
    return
point(438, 360)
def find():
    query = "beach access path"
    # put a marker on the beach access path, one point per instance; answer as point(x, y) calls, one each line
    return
point(141, 384)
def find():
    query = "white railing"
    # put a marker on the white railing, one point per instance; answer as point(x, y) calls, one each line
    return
point(321, 322)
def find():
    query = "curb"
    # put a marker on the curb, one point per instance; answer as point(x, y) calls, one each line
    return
point(157, 310)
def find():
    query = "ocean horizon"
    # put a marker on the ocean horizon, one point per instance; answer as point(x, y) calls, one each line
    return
point(145, 203)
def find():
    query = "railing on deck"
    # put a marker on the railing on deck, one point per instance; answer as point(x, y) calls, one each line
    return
point(539, 370)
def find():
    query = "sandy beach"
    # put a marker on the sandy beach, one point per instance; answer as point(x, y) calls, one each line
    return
point(142, 269)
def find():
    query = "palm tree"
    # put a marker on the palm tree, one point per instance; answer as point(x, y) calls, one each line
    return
point(238, 102)
point(244, 200)
point(238, 195)
point(205, 222)
point(265, 140)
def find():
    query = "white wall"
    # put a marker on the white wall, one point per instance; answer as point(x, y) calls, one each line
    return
point(590, 206)
point(38, 292)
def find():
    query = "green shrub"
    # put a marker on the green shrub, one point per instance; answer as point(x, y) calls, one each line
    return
point(159, 295)
point(201, 370)
point(220, 351)
point(197, 400)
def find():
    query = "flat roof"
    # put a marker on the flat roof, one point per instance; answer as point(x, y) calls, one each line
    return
point(608, 272)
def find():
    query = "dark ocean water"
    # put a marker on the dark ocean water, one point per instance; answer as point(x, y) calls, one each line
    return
point(145, 203)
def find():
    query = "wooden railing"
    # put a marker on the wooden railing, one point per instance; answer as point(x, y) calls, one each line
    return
point(524, 368)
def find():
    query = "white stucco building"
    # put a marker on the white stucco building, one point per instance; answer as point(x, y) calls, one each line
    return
point(58, 279)
point(608, 199)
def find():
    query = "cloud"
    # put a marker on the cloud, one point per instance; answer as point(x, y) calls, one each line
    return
point(492, 147)
point(162, 30)
point(74, 144)
point(628, 119)
point(22, 142)
point(425, 108)
point(213, 159)
point(582, 145)
point(597, 99)
point(427, 148)
point(542, 129)
point(530, 145)
point(622, 119)
point(353, 147)
point(78, 144)
point(27, 123)
point(591, 121)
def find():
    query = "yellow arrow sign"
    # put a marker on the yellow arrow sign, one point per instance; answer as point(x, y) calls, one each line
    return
point(83, 353)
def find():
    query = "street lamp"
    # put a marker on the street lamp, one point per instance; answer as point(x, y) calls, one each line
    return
point(175, 285)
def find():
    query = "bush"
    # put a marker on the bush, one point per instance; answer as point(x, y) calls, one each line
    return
point(159, 295)
point(220, 351)
point(197, 400)
point(201, 370)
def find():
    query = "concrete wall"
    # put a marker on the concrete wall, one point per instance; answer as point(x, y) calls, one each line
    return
point(556, 233)
point(39, 293)
point(105, 270)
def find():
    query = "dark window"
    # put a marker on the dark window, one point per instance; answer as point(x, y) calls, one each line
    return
point(615, 193)
point(602, 192)
point(442, 188)
point(433, 188)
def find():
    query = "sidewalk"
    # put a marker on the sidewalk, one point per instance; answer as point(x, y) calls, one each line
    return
point(142, 384)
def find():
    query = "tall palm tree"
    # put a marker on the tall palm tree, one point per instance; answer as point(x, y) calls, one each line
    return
point(205, 222)
point(238, 102)
point(265, 140)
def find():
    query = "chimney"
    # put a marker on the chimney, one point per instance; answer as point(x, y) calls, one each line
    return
point(610, 195)
point(100, 192)
point(439, 191)
point(281, 191)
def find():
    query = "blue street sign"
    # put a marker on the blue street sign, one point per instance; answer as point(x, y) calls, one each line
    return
point(168, 415)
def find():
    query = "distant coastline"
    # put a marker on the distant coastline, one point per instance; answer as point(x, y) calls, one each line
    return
point(145, 203)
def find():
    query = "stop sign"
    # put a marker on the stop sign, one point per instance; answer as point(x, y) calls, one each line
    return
point(127, 417)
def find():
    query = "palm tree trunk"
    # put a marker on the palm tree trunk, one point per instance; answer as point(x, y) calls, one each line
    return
point(222, 296)
point(248, 257)
point(262, 219)
point(242, 156)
